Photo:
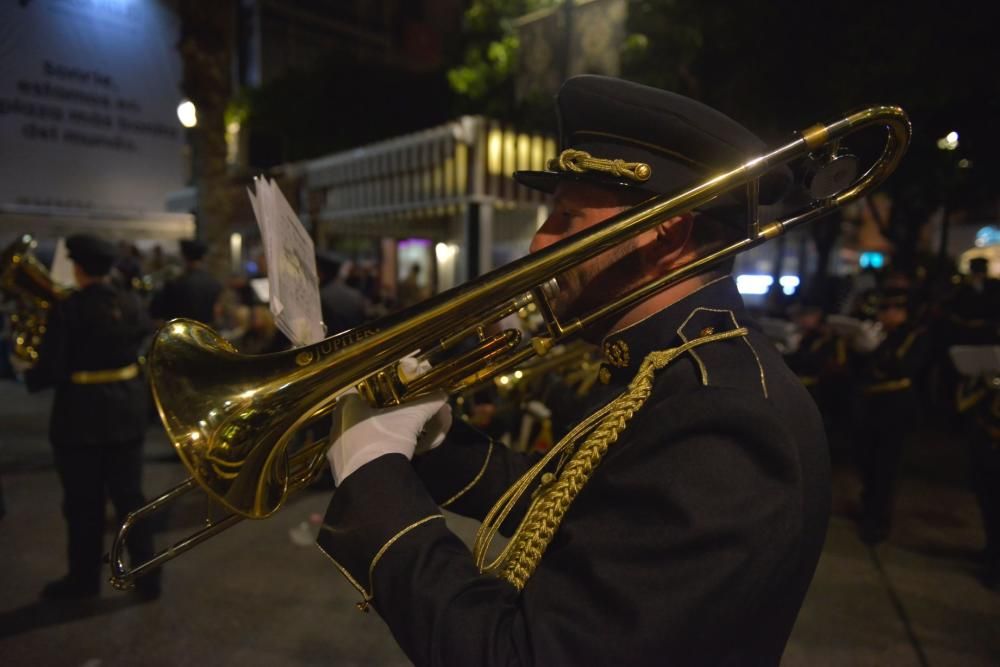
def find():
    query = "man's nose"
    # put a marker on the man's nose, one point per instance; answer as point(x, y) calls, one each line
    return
point(543, 238)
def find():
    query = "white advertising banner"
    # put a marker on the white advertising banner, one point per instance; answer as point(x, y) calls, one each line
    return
point(88, 104)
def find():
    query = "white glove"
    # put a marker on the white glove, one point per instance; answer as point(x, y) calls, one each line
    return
point(362, 434)
point(438, 425)
point(869, 336)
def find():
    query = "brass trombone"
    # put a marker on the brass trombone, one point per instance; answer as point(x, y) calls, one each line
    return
point(233, 418)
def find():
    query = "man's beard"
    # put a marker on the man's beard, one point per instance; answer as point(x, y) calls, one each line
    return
point(598, 281)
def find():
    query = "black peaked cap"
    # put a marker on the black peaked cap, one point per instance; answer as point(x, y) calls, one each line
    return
point(193, 249)
point(94, 254)
point(683, 141)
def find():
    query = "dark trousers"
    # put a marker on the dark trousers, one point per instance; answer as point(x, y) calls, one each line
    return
point(883, 424)
point(985, 459)
point(89, 475)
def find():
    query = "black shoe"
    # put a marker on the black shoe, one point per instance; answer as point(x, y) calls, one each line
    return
point(70, 589)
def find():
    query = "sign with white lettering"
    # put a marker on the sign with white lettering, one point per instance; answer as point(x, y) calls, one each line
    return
point(88, 101)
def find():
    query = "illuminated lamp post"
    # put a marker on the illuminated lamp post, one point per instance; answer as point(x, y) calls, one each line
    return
point(947, 144)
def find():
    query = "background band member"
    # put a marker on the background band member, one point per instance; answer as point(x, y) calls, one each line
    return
point(888, 406)
point(89, 354)
point(344, 307)
point(193, 294)
point(684, 524)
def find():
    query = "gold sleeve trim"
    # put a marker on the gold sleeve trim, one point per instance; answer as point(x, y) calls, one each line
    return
point(367, 595)
point(363, 606)
point(475, 480)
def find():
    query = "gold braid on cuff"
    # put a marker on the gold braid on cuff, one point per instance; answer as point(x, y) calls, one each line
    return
point(579, 162)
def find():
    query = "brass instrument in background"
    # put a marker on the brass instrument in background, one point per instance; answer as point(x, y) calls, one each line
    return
point(577, 363)
point(233, 418)
point(27, 285)
point(516, 407)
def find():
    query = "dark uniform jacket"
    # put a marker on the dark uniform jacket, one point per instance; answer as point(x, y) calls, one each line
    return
point(97, 328)
point(693, 542)
point(894, 366)
point(192, 295)
point(974, 314)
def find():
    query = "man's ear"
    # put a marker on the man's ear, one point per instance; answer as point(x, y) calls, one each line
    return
point(672, 238)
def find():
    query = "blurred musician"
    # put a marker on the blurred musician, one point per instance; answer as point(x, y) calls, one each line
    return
point(893, 351)
point(194, 294)
point(89, 354)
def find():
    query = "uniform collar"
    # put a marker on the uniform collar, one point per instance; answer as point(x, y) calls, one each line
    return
point(713, 308)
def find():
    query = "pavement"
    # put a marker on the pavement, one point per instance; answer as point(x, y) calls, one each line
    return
point(255, 596)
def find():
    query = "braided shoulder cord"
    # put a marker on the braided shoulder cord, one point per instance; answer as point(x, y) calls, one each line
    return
point(517, 562)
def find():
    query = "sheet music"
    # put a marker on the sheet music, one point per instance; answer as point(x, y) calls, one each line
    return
point(291, 266)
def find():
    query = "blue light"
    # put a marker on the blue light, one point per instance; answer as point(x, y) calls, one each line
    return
point(871, 260)
point(987, 236)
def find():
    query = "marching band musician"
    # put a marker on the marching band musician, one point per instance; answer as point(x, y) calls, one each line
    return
point(194, 294)
point(89, 354)
point(888, 404)
point(819, 359)
point(683, 520)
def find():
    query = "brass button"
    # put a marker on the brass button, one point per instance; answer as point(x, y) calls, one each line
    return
point(707, 331)
point(616, 353)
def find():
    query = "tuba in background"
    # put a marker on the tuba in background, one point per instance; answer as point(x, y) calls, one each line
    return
point(28, 294)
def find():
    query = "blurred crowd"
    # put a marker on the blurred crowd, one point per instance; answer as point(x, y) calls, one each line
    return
point(172, 286)
point(890, 353)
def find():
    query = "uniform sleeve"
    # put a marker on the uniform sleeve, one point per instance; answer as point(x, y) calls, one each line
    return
point(469, 471)
point(658, 547)
point(53, 355)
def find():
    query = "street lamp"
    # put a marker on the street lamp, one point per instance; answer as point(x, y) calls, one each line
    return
point(187, 113)
point(949, 142)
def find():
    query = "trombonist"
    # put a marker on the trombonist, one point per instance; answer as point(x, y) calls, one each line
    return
point(683, 520)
